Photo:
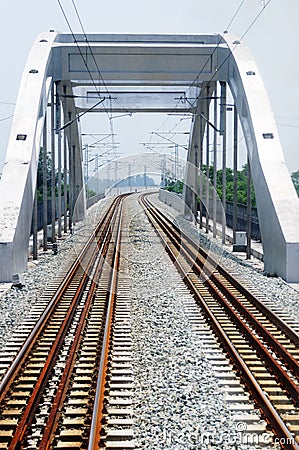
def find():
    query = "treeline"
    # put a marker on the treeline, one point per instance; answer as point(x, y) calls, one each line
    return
point(170, 183)
point(173, 186)
point(133, 181)
point(136, 181)
point(39, 182)
point(177, 186)
point(295, 178)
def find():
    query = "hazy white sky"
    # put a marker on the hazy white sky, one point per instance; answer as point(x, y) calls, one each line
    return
point(273, 41)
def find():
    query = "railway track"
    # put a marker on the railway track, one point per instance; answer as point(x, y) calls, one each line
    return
point(71, 385)
point(262, 348)
point(54, 394)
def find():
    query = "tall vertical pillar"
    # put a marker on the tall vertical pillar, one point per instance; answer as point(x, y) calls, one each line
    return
point(235, 179)
point(195, 194)
point(215, 166)
point(65, 161)
point(163, 171)
point(223, 132)
point(58, 126)
point(176, 162)
point(207, 196)
point(74, 187)
point(200, 171)
point(45, 188)
point(116, 176)
point(70, 174)
point(34, 226)
point(248, 227)
point(53, 193)
point(65, 182)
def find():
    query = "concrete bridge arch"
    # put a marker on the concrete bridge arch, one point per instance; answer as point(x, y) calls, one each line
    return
point(160, 68)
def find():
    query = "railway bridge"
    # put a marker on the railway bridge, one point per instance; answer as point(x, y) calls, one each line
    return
point(69, 75)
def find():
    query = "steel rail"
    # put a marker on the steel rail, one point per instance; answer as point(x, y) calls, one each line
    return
point(32, 404)
point(97, 417)
point(209, 278)
point(289, 332)
point(286, 358)
point(55, 412)
point(39, 327)
point(271, 415)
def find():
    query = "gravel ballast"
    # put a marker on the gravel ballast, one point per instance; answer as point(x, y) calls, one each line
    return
point(178, 397)
point(284, 297)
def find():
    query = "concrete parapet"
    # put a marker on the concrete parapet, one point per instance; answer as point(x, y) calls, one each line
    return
point(172, 199)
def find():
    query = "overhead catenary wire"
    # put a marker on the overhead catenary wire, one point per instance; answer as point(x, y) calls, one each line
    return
point(287, 125)
point(235, 15)
point(100, 75)
point(85, 59)
point(213, 52)
point(209, 59)
point(79, 49)
point(232, 50)
point(220, 40)
point(77, 117)
point(92, 53)
point(6, 118)
point(7, 103)
point(255, 19)
point(99, 71)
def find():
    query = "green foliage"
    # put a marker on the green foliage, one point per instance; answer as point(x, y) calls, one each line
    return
point(90, 193)
point(39, 182)
point(174, 186)
point(295, 178)
point(137, 180)
point(177, 186)
point(241, 186)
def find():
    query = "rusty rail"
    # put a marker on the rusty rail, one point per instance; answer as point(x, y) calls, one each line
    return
point(97, 416)
point(100, 238)
point(169, 232)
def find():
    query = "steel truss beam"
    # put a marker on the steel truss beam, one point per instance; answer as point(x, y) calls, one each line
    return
point(159, 67)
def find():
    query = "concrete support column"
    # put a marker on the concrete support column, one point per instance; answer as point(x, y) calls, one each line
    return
point(200, 171)
point(195, 193)
point(215, 165)
point(58, 126)
point(207, 196)
point(73, 182)
point(34, 226)
point(162, 171)
point(65, 182)
point(70, 175)
point(194, 161)
point(45, 188)
point(176, 162)
point(248, 227)
point(53, 208)
point(223, 132)
point(235, 180)
point(65, 174)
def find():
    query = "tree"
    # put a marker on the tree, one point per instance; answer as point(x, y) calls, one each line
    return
point(171, 185)
point(39, 181)
point(295, 178)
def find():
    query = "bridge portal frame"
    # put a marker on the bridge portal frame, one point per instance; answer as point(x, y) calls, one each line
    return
point(146, 61)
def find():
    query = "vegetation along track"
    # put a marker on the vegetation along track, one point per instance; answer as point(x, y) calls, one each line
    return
point(262, 347)
point(52, 395)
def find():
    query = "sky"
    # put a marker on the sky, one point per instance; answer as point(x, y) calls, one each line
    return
point(272, 39)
